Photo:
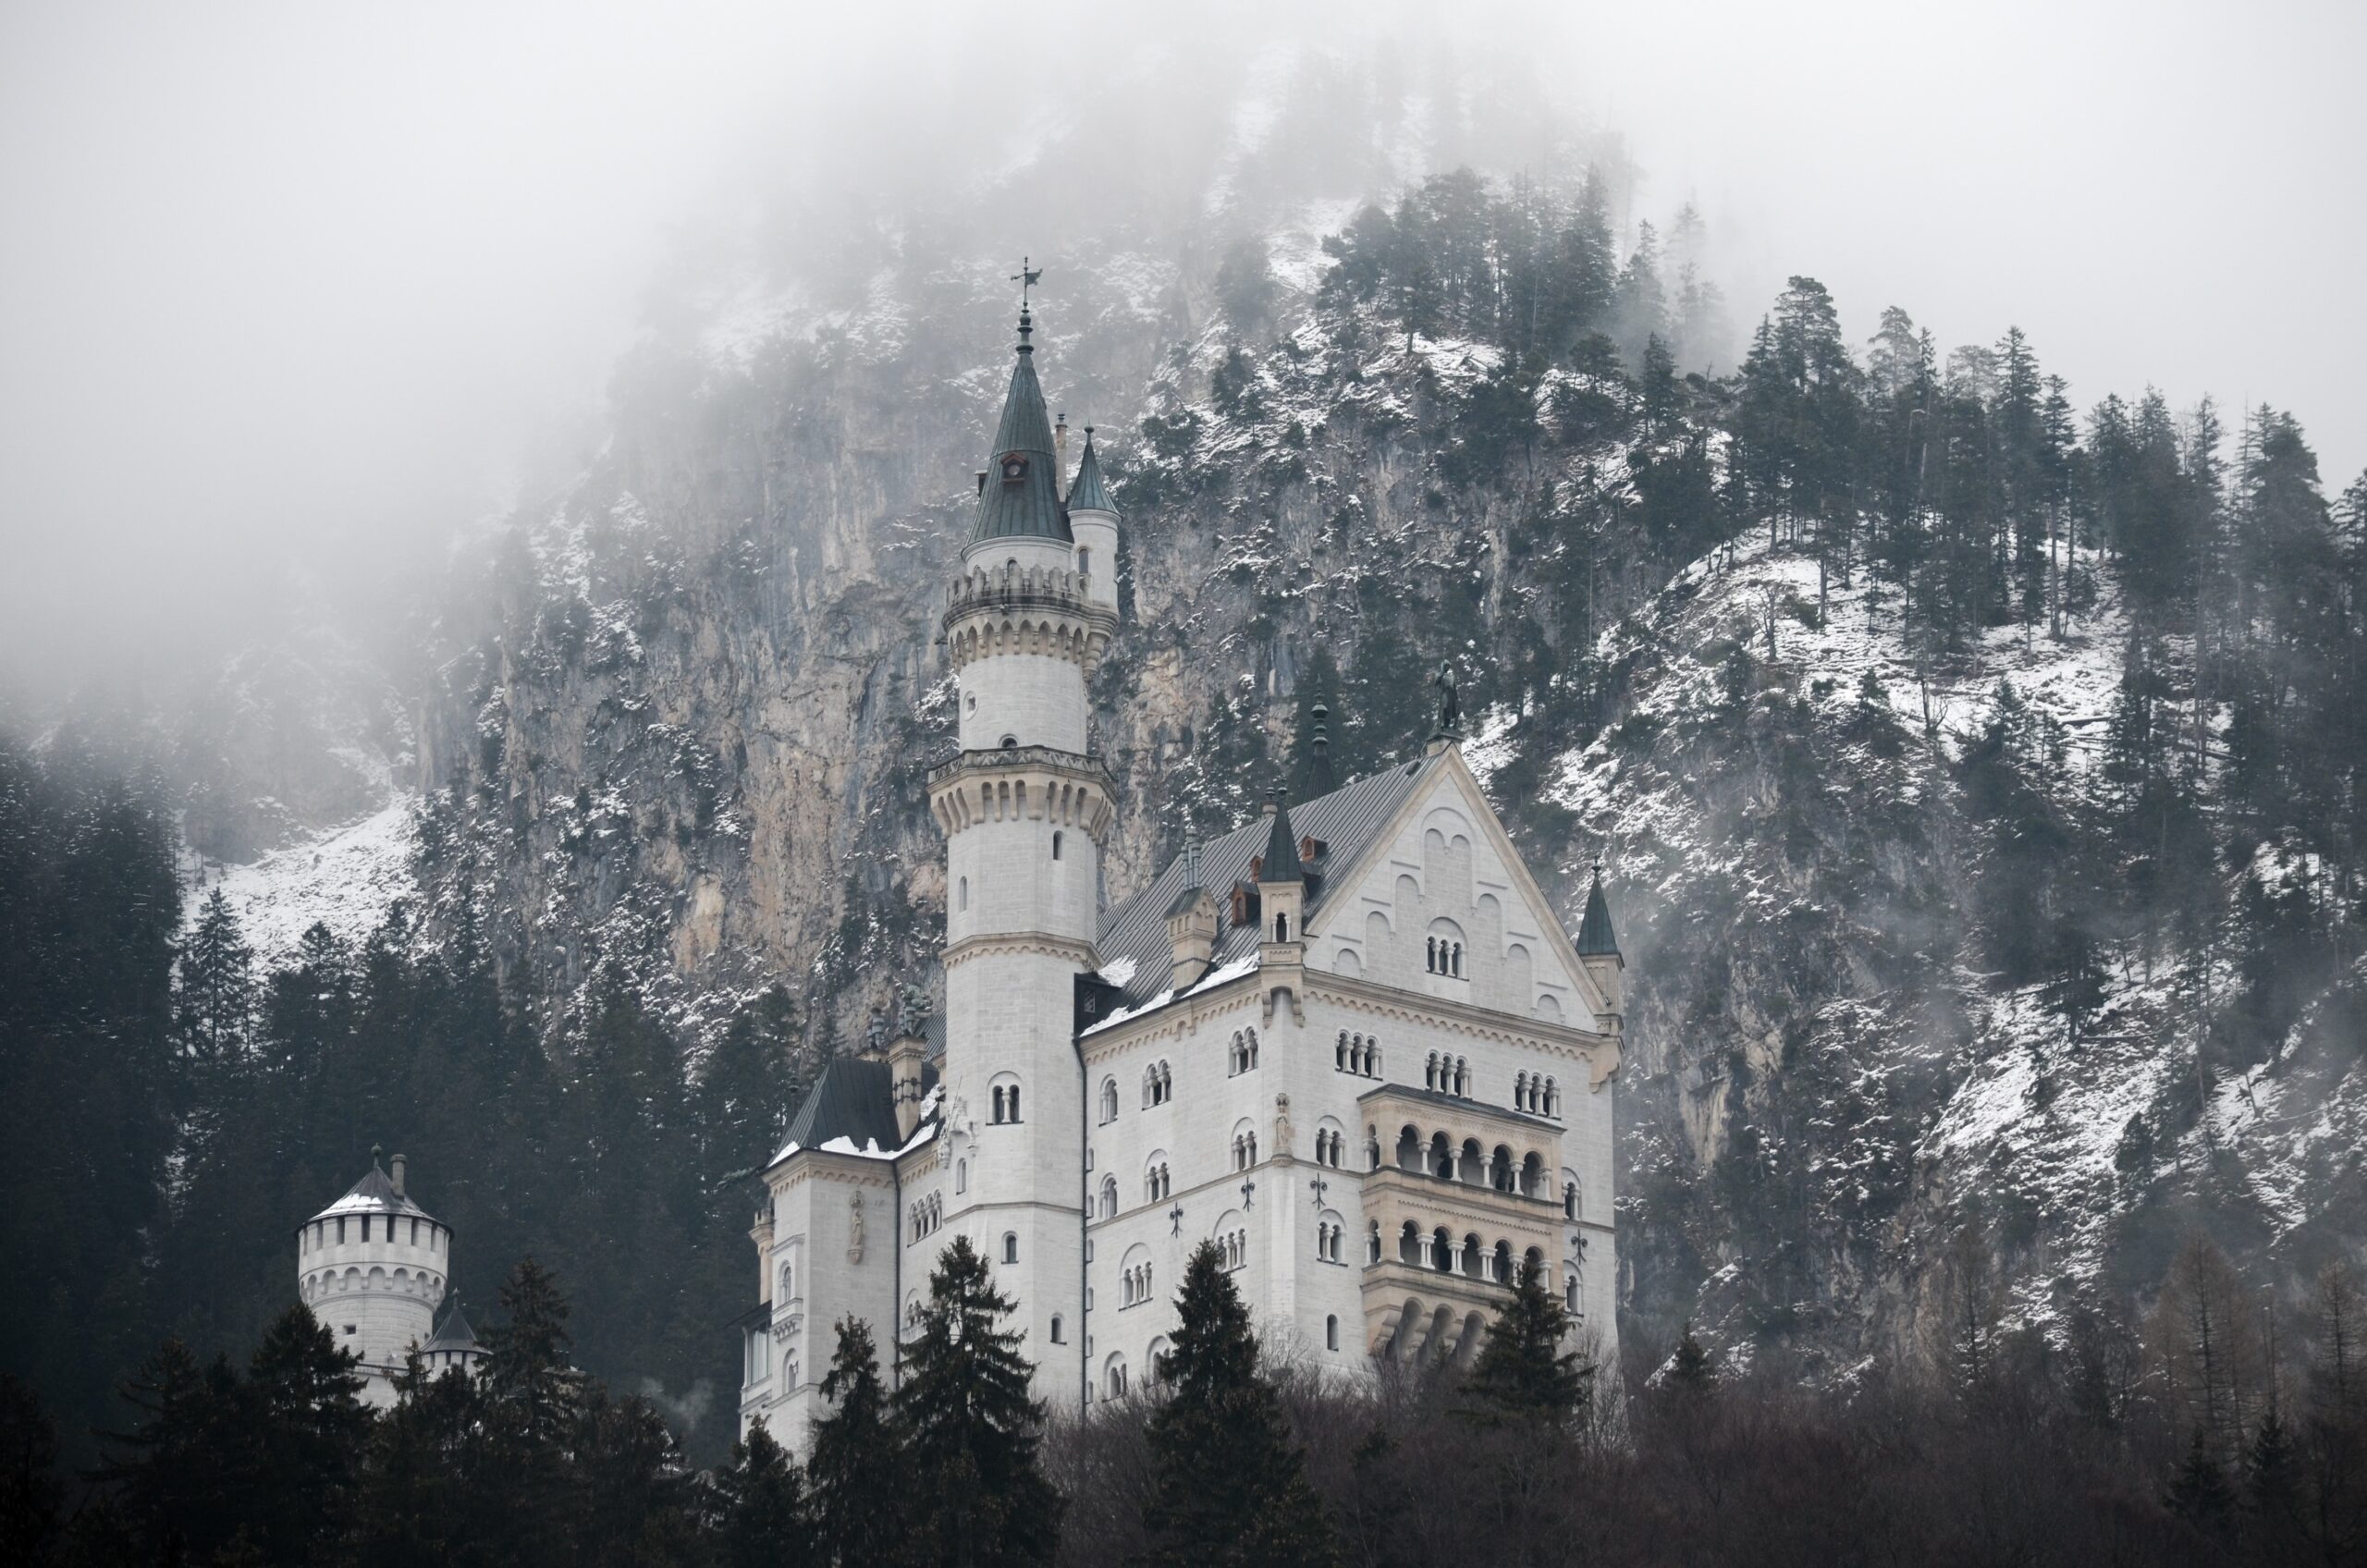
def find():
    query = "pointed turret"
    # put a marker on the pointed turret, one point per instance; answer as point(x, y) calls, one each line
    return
point(1281, 907)
point(1019, 497)
point(1597, 945)
point(1094, 522)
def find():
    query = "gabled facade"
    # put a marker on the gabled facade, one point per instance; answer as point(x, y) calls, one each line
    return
point(1349, 1042)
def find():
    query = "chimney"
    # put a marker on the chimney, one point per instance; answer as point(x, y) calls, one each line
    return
point(1061, 456)
point(1191, 928)
point(982, 482)
point(906, 1060)
point(395, 1175)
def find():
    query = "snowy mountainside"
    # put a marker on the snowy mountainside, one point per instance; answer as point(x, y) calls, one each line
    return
point(1824, 1087)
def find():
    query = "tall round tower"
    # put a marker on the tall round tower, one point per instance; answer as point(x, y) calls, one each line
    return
point(1025, 811)
point(374, 1266)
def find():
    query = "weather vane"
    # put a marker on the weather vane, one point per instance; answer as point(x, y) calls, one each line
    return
point(1026, 277)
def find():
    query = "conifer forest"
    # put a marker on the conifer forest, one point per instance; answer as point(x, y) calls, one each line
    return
point(1975, 760)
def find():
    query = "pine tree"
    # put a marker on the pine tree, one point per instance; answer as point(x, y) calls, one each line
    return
point(1230, 1486)
point(1689, 1371)
point(858, 1469)
point(213, 986)
point(762, 1520)
point(1523, 1375)
point(177, 1469)
point(2200, 1490)
point(30, 1495)
point(306, 1428)
point(414, 1505)
point(969, 1425)
point(534, 1402)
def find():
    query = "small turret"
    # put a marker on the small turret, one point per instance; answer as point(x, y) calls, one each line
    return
point(1599, 947)
point(1093, 521)
point(1281, 904)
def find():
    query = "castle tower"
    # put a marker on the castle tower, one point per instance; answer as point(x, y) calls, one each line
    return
point(374, 1266)
point(1025, 812)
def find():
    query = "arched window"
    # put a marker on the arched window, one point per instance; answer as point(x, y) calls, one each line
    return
point(963, 898)
point(1108, 1197)
point(1457, 969)
point(1332, 1332)
point(1430, 1072)
point(1109, 1100)
point(1282, 927)
point(1430, 954)
point(1010, 1246)
point(1085, 563)
point(1116, 1377)
point(1014, 1102)
point(960, 1175)
point(1372, 1241)
point(1340, 1053)
point(1057, 1337)
point(1552, 1098)
point(788, 1282)
point(1056, 846)
point(1010, 742)
point(997, 1111)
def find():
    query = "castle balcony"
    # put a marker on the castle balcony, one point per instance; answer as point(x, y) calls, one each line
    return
point(1022, 783)
point(1015, 610)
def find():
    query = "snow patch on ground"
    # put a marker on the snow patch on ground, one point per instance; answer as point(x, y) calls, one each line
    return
point(345, 879)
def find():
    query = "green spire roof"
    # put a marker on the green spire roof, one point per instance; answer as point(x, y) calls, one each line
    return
point(1089, 493)
point(1595, 939)
point(1282, 863)
point(1022, 495)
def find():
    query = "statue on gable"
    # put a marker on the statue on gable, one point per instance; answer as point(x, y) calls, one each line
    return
point(911, 1010)
point(1450, 700)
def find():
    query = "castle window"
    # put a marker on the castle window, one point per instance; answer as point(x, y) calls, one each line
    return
point(1332, 1332)
point(1110, 1197)
point(1057, 1337)
point(1109, 1100)
point(1056, 846)
point(997, 1111)
point(960, 1175)
point(1085, 563)
point(340, 1229)
point(1457, 969)
point(1009, 741)
point(414, 1232)
point(1281, 929)
point(964, 896)
point(1010, 1246)
point(970, 703)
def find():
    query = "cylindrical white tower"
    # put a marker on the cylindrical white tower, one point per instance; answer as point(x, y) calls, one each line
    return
point(1025, 812)
point(374, 1266)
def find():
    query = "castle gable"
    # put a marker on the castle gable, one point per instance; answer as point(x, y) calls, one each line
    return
point(1440, 902)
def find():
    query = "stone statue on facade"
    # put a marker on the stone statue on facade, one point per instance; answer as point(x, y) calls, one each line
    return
point(854, 1228)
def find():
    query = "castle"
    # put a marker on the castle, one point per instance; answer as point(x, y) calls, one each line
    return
point(1349, 1042)
point(373, 1267)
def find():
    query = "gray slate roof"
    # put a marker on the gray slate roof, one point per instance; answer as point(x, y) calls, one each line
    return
point(1028, 507)
point(853, 1099)
point(375, 1194)
point(1089, 493)
point(1594, 937)
point(1344, 821)
point(1282, 862)
point(453, 1333)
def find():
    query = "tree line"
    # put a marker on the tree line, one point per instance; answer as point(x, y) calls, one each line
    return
point(2192, 1438)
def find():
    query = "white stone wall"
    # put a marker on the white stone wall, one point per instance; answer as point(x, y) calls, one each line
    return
point(816, 1199)
point(1096, 554)
point(1003, 877)
point(377, 1297)
point(1038, 698)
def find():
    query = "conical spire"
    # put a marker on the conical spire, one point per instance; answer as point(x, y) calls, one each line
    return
point(1595, 937)
point(1319, 749)
point(1021, 496)
point(1089, 493)
point(1282, 863)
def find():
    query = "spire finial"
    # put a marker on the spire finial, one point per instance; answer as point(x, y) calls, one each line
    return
point(377, 1153)
point(1318, 746)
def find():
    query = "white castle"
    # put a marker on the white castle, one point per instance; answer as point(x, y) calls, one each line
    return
point(1349, 1043)
point(373, 1267)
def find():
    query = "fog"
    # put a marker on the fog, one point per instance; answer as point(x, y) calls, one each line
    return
point(291, 289)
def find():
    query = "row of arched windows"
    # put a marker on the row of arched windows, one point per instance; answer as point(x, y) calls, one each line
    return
point(1536, 1095)
point(1357, 1054)
point(1441, 1252)
point(1469, 1164)
point(1006, 1103)
point(928, 1215)
point(1328, 1242)
point(1243, 1057)
point(1448, 1075)
point(1443, 956)
point(1137, 1286)
point(1233, 1247)
point(1245, 1150)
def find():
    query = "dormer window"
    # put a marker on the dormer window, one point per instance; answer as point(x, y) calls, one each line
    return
point(1014, 467)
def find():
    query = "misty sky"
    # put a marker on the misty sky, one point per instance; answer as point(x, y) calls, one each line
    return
point(308, 285)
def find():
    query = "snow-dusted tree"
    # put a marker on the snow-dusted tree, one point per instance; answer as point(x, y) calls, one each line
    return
point(213, 984)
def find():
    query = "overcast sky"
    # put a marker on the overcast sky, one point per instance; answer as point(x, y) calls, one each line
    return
point(300, 282)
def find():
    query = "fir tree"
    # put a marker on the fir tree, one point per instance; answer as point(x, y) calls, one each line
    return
point(762, 1520)
point(31, 1497)
point(2200, 1490)
point(213, 986)
point(969, 1425)
point(306, 1430)
point(1523, 1375)
point(414, 1505)
point(1229, 1486)
point(1689, 1371)
point(858, 1471)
